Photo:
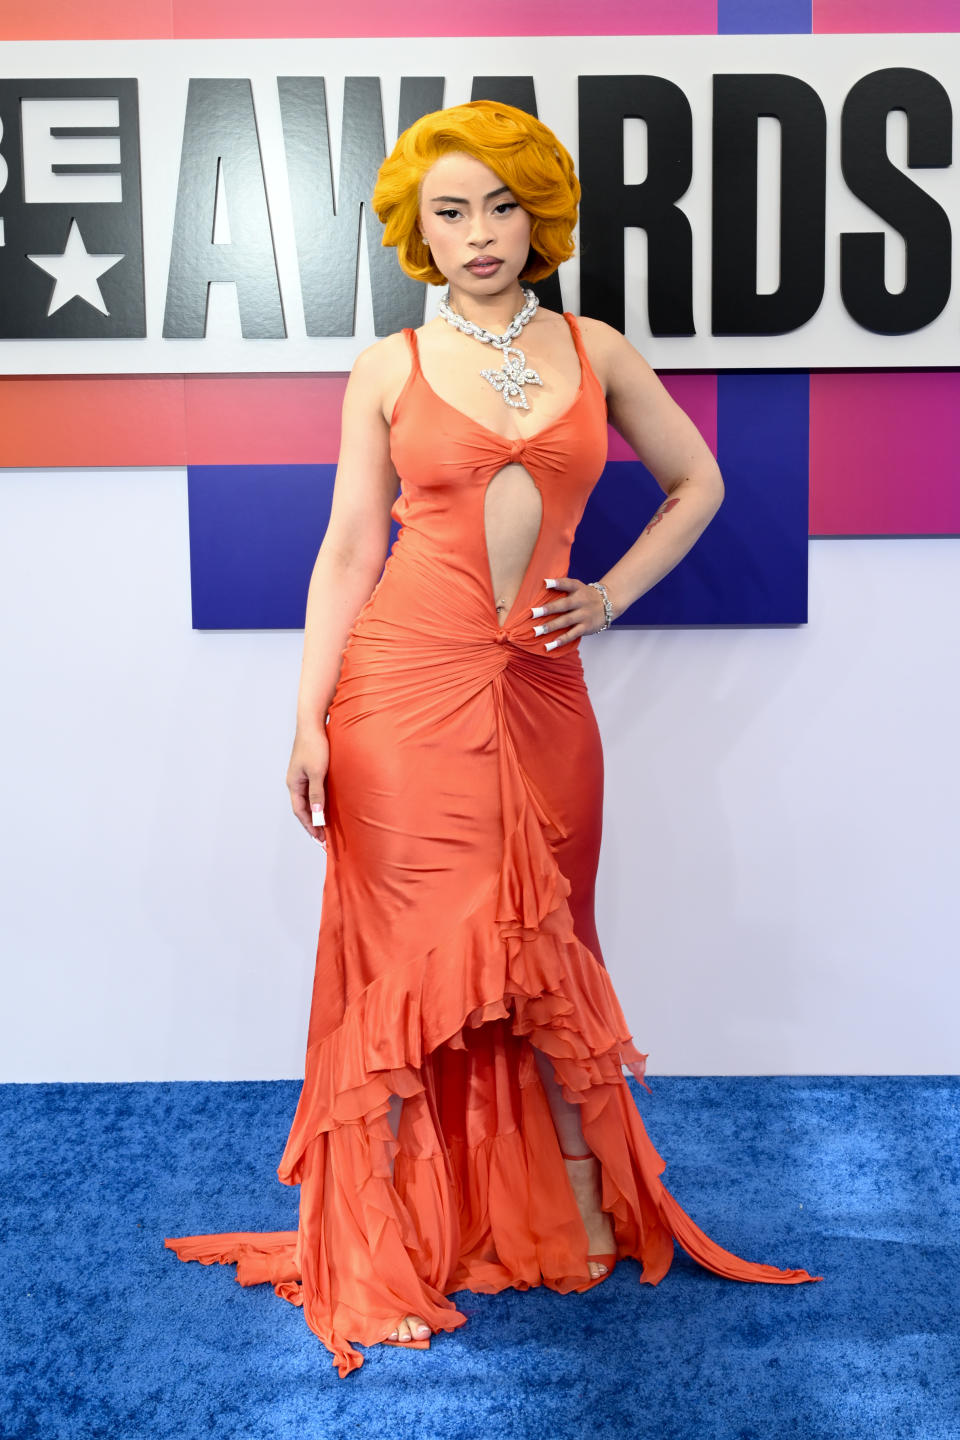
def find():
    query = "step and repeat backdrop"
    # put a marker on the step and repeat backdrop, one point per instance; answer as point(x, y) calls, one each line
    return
point(189, 263)
point(188, 269)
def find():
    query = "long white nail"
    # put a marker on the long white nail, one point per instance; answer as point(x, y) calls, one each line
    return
point(537, 611)
point(550, 644)
point(539, 629)
point(550, 584)
point(317, 813)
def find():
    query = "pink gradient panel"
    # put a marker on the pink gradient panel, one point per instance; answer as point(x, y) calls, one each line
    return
point(264, 419)
point(696, 393)
point(216, 419)
point(883, 453)
point(863, 17)
point(250, 18)
point(294, 19)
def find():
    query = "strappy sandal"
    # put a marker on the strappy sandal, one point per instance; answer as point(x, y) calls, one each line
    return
point(608, 1258)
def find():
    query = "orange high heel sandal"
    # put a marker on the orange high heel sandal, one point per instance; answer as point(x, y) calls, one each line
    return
point(610, 1259)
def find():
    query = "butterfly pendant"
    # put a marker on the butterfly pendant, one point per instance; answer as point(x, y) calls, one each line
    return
point(512, 377)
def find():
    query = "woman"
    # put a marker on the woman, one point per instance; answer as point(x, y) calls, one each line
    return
point(464, 1121)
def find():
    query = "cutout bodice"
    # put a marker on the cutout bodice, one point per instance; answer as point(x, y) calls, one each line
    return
point(436, 581)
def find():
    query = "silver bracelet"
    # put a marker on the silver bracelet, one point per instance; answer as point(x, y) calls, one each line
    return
point(607, 607)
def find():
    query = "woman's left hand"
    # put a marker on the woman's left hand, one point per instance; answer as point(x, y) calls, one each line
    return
point(577, 612)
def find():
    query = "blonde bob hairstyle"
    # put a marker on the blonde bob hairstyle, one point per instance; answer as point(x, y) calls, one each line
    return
point(516, 146)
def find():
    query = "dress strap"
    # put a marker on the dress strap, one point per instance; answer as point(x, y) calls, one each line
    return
point(575, 331)
point(585, 366)
point(411, 336)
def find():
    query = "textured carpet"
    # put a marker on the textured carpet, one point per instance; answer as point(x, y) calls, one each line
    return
point(107, 1334)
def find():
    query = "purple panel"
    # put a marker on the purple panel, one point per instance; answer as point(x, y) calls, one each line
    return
point(255, 529)
point(761, 17)
point(749, 567)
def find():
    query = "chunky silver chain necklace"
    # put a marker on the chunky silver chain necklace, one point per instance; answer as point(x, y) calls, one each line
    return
point(509, 380)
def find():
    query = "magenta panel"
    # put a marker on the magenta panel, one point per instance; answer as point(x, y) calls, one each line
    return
point(696, 393)
point(898, 17)
point(883, 453)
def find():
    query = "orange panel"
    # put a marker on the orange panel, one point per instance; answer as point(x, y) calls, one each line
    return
point(92, 20)
point(91, 420)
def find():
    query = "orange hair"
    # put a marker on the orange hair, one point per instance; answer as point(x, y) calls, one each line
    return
point(523, 151)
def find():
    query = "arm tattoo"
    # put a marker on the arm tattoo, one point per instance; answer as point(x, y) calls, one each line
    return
point(667, 505)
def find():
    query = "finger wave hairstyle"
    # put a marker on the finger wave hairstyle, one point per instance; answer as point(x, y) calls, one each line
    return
point(523, 151)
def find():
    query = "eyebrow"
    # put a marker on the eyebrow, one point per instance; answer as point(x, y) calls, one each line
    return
point(462, 200)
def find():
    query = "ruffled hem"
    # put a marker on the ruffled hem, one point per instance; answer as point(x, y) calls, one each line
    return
point(461, 1214)
point(548, 984)
point(472, 1193)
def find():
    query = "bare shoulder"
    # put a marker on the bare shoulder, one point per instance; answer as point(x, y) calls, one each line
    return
point(378, 372)
point(598, 330)
point(380, 356)
point(608, 350)
point(642, 410)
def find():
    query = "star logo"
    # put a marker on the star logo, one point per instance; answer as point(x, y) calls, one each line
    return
point(76, 272)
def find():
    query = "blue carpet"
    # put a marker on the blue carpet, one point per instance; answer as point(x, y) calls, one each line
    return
point(107, 1334)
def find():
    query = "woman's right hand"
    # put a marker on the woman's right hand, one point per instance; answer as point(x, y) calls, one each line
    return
point(306, 775)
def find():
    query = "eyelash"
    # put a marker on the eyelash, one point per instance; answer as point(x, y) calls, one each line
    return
point(508, 204)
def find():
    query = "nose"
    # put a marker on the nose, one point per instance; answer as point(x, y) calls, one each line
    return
point(480, 232)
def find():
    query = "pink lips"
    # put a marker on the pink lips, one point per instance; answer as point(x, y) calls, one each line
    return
point(484, 266)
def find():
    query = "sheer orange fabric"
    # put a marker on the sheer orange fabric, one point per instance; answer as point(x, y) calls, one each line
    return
point(463, 811)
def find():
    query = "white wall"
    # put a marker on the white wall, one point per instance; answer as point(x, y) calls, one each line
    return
point(778, 886)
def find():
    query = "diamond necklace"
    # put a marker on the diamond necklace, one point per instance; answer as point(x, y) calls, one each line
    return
point(509, 380)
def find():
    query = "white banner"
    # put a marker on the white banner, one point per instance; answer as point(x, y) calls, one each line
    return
point(104, 270)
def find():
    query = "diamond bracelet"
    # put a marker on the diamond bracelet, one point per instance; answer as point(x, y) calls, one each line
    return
point(607, 607)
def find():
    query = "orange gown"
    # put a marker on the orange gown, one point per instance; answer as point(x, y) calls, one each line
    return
point(463, 815)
